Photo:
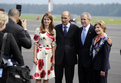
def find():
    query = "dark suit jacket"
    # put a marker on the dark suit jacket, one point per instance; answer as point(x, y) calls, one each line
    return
point(11, 47)
point(101, 60)
point(21, 36)
point(84, 50)
point(66, 46)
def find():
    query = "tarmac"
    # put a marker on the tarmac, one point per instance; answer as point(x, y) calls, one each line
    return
point(113, 31)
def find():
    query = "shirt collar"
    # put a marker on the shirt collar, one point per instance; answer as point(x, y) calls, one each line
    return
point(68, 25)
point(87, 28)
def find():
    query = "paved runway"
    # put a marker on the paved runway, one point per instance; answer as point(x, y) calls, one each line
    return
point(113, 31)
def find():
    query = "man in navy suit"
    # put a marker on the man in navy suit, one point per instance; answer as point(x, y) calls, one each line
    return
point(66, 50)
point(20, 34)
point(84, 61)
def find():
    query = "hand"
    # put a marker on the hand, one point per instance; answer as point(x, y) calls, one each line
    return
point(24, 24)
point(109, 41)
point(53, 63)
point(102, 73)
point(35, 60)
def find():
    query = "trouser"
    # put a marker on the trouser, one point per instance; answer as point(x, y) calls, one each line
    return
point(69, 72)
point(84, 74)
point(97, 78)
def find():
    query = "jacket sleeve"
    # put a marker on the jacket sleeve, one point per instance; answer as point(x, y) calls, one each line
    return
point(106, 52)
point(77, 40)
point(15, 50)
point(24, 39)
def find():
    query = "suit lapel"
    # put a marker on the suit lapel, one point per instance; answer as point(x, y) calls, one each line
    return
point(61, 31)
point(69, 31)
point(88, 34)
point(80, 35)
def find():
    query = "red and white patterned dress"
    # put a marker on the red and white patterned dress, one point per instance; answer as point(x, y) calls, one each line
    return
point(44, 69)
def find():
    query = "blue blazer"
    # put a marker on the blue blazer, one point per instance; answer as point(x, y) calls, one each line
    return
point(101, 59)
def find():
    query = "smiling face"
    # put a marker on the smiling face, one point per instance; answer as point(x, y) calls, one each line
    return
point(65, 18)
point(84, 20)
point(98, 29)
point(46, 21)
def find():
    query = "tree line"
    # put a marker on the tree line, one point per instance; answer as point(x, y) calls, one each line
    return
point(113, 9)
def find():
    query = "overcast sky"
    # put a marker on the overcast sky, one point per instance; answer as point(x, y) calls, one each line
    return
point(59, 1)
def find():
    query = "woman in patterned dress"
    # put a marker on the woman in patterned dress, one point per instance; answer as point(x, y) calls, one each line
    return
point(44, 50)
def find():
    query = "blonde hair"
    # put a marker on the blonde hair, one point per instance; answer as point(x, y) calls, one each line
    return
point(3, 18)
point(102, 25)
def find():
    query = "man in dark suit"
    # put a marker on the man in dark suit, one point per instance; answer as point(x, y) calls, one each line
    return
point(84, 61)
point(66, 50)
point(20, 34)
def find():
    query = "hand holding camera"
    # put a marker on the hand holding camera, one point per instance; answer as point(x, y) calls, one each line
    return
point(24, 24)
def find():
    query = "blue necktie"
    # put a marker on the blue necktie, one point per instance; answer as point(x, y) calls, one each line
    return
point(65, 31)
point(83, 35)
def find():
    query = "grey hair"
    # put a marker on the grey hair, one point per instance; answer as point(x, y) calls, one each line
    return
point(86, 13)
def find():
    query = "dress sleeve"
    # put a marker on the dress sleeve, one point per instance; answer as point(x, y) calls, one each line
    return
point(54, 40)
point(36, 35)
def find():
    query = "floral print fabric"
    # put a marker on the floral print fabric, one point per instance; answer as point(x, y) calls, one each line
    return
point(94, 49)
point(45, 42)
